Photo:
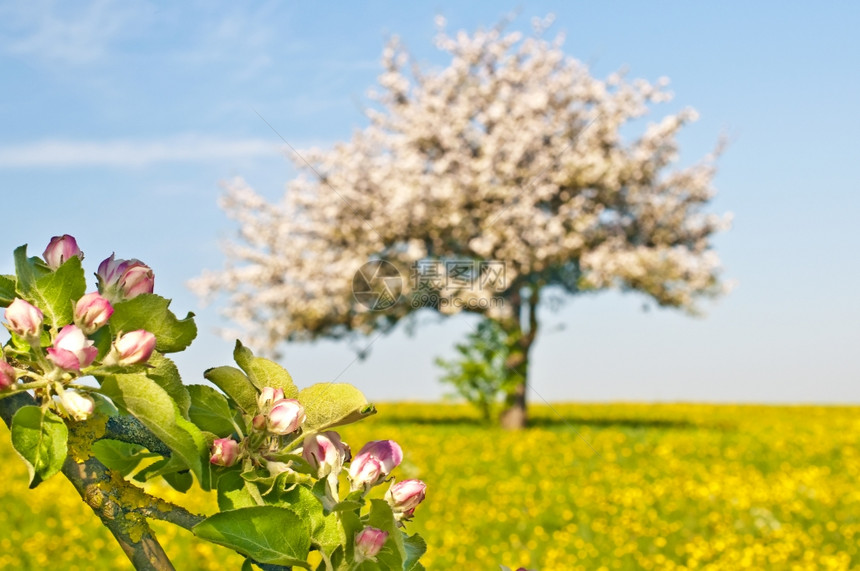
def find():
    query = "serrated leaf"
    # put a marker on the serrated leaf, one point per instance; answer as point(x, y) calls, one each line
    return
point(55, 293)
point(268, 534)
point(263, 372)
point(333, 404)
point(210, 411)
point(201, 442)
point(7, 290)
point(41, 438)
point(326, 532)
point(144, 399)
point(233, 492)
point(164, 372)
point(150, 312)
point(120, 457)
point(235, 384)
point(28, 270)
point(415, 547)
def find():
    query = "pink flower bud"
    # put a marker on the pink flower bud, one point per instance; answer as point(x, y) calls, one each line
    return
point(76, 405)
point(285, 417)
point(60, 249)
point(138, 278)
point(368, 543)
point(259, 422)
point(268, 396)
point(131, 348)
point(365, 474)
point(386, 453)
point(225, 452)
point(72, 350)
point(24, 319)
point(325, 453)
point(404, 496)
point(7, 375)
point(92, 312)
point(110, 270)
point(124, 279)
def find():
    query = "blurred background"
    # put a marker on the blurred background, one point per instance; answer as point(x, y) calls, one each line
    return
point(122, 118)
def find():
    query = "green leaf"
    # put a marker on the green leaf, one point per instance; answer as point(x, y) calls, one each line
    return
point(104, 405)
point(7, 290)
point(351, 526)
point(268, 534)
point(333, 404)
point(150, 312)
point(326, 532)
point(169, 465)
point(210, 411)
point(120, 457)
point(179, 481)
point(144, 399)
point(233, 492)
point(237, 386)
point(28, 270)
point(263, 372)
point(201, 442)
point(415, 547)
point(164, 372)
point(55, 293)
point(102, 341)
point(334, 561)
point(267, 483)
point(41, 438)
point(298, 463)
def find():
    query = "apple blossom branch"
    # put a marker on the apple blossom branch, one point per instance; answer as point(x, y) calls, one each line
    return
point(122, 507)
point(126, 524)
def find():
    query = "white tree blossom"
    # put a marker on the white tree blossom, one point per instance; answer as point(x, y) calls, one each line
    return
point(514, 153)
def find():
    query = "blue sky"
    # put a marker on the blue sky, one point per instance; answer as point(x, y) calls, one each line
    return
point(118, 120)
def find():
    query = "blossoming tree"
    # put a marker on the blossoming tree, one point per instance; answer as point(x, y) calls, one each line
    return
point(486, 182)
point(88, 391)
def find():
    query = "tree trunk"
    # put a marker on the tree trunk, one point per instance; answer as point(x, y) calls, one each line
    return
point(520, 332)
point(515, 417)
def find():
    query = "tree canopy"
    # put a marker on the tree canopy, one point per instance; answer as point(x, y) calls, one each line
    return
point(512, 153)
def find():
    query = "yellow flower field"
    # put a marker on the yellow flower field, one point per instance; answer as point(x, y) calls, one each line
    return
point(615, 486)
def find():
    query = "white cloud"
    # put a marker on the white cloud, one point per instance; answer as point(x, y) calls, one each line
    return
point(133, 153)
point(72, 34)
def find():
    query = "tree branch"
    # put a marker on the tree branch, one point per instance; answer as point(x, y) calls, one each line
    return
point(109, 503)
point(165, 511)
point(121, 506)
point(130, 430)
point(128, 527)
